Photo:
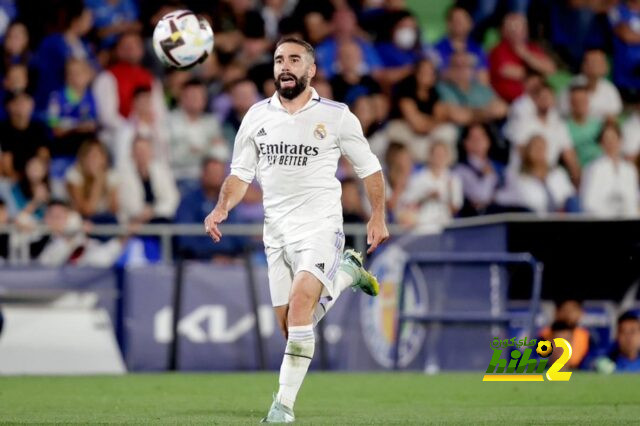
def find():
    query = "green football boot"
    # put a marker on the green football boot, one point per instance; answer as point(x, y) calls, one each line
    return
point(362, 279)
point(279, 413)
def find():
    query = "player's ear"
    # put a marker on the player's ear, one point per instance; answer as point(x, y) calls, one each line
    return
point(312, 71)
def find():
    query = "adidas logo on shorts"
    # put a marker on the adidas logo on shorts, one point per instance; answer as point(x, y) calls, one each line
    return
point(320, 266)
point(262, 132)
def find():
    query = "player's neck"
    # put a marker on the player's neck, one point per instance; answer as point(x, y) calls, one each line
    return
point(294, 105)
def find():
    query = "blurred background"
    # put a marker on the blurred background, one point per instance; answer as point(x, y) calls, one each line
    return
point(509, 132)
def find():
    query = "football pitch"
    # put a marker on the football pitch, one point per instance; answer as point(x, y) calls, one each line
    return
point(326, 398)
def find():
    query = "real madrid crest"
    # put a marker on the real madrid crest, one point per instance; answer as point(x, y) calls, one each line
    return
point(320, 131)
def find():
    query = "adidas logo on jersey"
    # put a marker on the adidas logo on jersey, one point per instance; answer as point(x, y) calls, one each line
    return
point(262, 132)
point(320, 266)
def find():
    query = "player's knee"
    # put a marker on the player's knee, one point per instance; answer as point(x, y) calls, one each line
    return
point(300, 308)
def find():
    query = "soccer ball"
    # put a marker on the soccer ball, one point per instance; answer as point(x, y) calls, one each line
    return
point(182, 40)
point(544, 348)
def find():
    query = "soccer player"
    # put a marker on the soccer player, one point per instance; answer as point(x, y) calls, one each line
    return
point(292, 143)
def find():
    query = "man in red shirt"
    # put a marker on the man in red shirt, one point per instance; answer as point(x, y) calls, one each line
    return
point(115, 88)
point(514, 57)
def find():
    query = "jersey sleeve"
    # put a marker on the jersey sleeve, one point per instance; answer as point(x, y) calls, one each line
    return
point(355, 146)
point(245, 154)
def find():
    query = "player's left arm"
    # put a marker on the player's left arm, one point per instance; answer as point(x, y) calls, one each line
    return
point(355, 147)
point(377, 232)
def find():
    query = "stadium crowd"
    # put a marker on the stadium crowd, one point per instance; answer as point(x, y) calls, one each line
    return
point(515, 107)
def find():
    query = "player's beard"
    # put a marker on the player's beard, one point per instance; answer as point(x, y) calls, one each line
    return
point(292, 92)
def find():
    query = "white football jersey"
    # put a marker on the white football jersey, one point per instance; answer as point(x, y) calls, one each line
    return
point(295, 157)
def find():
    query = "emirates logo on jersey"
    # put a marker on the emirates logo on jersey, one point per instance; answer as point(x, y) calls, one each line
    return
point(285, 154)
point(320, 131)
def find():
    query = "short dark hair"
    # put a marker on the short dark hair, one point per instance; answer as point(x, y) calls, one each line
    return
point(194, 81)
point(561, 326)
point(609, 125)
point(12, 96)
point(299, 42)
point(454, 8)
point(628, 316)
point(141, 90)
point(58, 202)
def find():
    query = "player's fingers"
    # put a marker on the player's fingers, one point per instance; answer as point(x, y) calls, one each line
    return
point(215, 233)
point(374, 244)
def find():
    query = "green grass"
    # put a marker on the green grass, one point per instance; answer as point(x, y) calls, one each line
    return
point(326, 398)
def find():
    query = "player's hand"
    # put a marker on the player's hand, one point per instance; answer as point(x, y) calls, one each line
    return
point(212, 221)
point(377, 233)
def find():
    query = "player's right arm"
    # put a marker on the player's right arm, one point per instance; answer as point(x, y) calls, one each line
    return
point(231, 193)
point(243, 170)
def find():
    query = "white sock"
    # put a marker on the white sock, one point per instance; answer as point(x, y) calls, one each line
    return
point(343, 280)
point(295, 363)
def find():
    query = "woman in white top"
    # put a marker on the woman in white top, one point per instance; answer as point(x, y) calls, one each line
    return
point(434, 195)
point(610, 184)
point(92, 185)
point(538, 187)
point(150, 193)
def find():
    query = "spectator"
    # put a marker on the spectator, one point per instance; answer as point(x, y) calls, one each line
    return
point(364, 107)
point(626, 351)
point(513, 56)
point(316, 26)
point(244, 94)
point(350, 74)
point(72, 111)
point(55, 50)
point(434, 195)
point(16, 80)
point(539, 186)
point(195, 206)
point(143, 121)
point(376, 15)
point(571, 22)
point(15, 46)
point(113, 18)
point(399, 169)
point(345, 30)
point(523, 106)
point(583, 128)
point(92, 185)
point(469, 101)
point(562, 330)
point(402, 49)
point(29, 196)
point(273, 12)
point(419, 115)
point(193, 132)
point(610, 185)
point(480, 176)
point(567, 319)
point(20, 136)
point(68, 244)
point(603, 97)
point(547, 123)
point(114, 88)
point(626, 46)
point(631, 134)
point(459, 25)
point(150, 194)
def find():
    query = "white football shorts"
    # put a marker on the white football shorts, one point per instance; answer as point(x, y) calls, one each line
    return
point(319, 254)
